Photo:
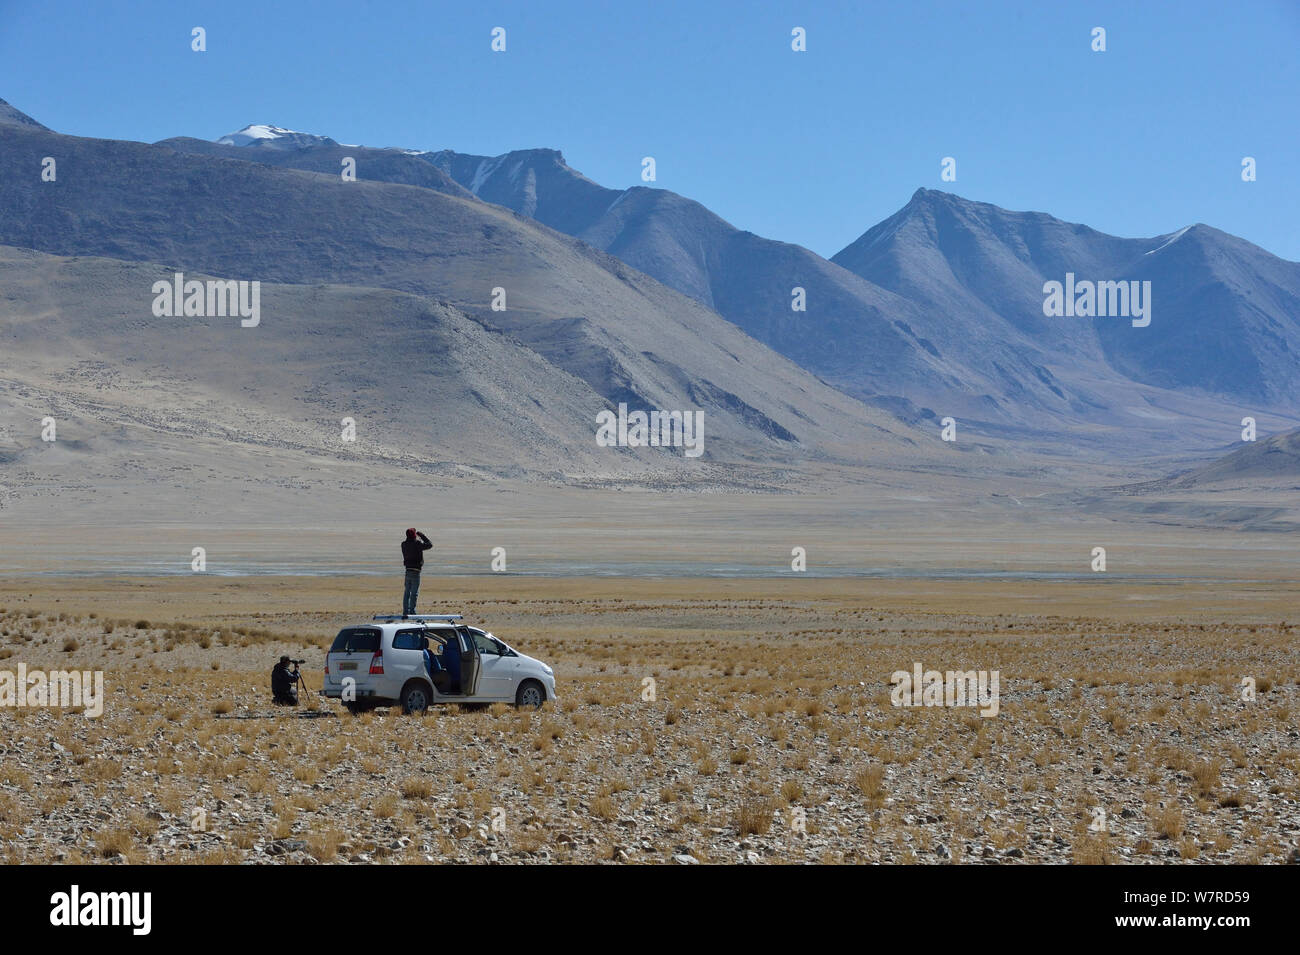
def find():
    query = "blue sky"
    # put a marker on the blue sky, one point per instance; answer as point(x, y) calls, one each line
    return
point(810, 147)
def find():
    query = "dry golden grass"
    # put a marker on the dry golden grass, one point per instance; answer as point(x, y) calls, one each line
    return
point(1206, 773)
point(413, 788)
point(754, 817)
point(736, 740)
point(1169, 822)
point(114, 842)
point(870, 780)
point(1093, 850)
point(324, 845)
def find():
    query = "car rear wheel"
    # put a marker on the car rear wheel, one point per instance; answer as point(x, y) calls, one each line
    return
point(357, 708)
point(531, 694)
point(415, 697)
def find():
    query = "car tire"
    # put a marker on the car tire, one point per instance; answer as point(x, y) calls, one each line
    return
point(356, 709)
point(416, 697)
point(530, 694)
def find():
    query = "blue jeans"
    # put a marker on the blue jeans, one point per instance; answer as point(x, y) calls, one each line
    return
point(411, 592)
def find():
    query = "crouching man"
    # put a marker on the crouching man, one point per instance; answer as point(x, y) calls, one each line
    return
point(284, 684)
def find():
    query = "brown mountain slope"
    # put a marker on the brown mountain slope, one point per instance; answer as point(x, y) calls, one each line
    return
point(628, 337)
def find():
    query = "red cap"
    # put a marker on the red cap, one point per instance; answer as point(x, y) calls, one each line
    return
point(410, 532)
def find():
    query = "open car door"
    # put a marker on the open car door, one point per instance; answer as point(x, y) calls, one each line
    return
point(470, 664)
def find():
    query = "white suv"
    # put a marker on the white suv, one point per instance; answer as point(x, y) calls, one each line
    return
point(423, 659)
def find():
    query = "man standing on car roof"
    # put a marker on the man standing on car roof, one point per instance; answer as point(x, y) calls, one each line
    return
point(413, 557)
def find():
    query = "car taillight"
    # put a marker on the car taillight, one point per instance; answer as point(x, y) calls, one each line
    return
point(377, 663)
point(327, 664)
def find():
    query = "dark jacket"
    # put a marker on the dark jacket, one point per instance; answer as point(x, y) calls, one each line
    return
point(282, 680)
point(413, 552)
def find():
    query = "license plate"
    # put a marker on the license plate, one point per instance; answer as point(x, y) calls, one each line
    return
point(348, 666)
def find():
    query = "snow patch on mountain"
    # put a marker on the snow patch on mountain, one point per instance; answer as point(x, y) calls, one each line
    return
point(484, 171)
point(1172, 239)
point(617, 199)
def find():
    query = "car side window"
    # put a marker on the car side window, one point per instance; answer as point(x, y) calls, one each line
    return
point(406, 640)
point(483, 644)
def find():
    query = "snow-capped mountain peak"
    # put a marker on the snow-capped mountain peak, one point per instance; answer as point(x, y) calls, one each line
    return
point(275, 137)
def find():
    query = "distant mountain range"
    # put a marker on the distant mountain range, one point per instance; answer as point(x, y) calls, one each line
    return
point(940, 308)
point(609, 334)
point(949, 309)
point(645, 297)
point(1225, 314)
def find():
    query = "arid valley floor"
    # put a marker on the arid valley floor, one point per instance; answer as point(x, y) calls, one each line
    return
point(1123, 733)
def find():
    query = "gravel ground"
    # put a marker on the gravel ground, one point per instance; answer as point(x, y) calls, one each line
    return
point(770, 738)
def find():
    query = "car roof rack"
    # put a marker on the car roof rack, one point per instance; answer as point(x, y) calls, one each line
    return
point(442, 617)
